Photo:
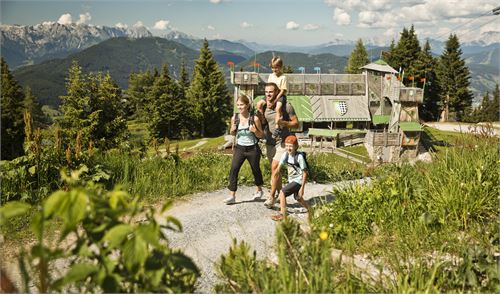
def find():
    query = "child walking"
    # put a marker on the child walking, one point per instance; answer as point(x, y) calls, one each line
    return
point(297, 177)
point(281, 81)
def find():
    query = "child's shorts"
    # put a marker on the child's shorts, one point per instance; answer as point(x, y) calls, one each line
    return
point(292, 188)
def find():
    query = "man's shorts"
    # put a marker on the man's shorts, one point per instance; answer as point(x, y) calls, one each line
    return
point(292, 188)
point(275, 152)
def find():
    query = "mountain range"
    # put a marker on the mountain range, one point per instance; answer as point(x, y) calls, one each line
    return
point(26, 45)
point(26, 48)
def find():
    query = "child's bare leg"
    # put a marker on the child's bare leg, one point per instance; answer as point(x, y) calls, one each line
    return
point(283, 203)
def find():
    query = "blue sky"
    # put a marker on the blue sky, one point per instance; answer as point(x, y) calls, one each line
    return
point(273, 21)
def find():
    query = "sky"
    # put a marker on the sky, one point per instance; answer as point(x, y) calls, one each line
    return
point(278, 22)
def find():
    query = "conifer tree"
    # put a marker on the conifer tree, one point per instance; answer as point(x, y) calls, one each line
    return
point(425, 77)
point(406, 53)
point(111, 129)
point(454, 80)
point(11, 115)
point(33, 107)
point(184, 107)
point(138, 86)
point(358, 58)
point(162, 96)
point(209, 95)
point(495, 105)
point(76, 105)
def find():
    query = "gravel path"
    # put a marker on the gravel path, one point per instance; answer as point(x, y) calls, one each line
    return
point(210, 225)
point(461, 127)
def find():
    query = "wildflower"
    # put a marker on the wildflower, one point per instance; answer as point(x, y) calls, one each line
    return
point(330, 225)
point(323, 235)
point(462, 184)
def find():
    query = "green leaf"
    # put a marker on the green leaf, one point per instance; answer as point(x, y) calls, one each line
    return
point(135, 252)
point(53, 203)
point(176, 222)
point(150, 233)
point(78, 272)
point(117, 234)
point(12, 209)
point(116, 197)
point(32, 170)
point(166, 206)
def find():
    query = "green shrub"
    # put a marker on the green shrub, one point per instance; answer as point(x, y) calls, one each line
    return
point(110, 242)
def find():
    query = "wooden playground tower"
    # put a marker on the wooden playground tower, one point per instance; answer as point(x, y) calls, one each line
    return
point(373, 108)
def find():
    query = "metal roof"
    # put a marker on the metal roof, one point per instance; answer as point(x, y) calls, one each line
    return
point(381, 66)
point(332, 133)
point(410, 126)
point(381, 119)
point(329, 108)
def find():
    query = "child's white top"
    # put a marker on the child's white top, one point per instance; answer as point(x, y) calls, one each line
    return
point(281, 81)
point(295, 169)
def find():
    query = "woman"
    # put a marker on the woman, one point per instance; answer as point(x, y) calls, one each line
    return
point(247, 128)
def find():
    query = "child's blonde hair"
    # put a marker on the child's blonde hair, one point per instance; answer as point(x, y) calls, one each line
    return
point(276, 62)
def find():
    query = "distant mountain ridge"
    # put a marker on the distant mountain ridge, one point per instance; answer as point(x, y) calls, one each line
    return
point(118, 56)
point(25, 45)
point(28, 45)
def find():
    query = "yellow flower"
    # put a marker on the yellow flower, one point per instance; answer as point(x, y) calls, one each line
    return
point(323, 235)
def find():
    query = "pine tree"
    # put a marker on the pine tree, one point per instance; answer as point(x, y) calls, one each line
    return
point(11, 115)
point(162, 96)
point(136, 94)
point(184, 107)
point(76, 105)
point(454, 80)
point(33, 107)
point(111, 129)
point(406, 53)
point(209, 95)
point(495, 105)
point(425, 77)
point(358, 58)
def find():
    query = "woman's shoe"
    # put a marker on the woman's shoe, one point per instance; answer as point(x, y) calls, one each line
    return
point(230, 200)
point(258, 195)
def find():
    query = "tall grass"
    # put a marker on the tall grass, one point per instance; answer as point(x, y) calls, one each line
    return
point(422, 220)
point(430, 227)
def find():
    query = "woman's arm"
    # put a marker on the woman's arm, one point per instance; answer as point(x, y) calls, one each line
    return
point(232, 131)
point(257, 127)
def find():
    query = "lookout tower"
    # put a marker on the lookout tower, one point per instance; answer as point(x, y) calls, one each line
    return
point(374, 108)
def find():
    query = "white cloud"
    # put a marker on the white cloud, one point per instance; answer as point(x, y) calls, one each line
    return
point(215, 1)
point(211, 27)
point(217, 36)
point(339, 35)
point(138, 24)
point(341, 17)
point(311, 27)
point(357, 5)
point(246, 25)
point(48, 23)
point(291, 25)
point(391, 33)
point(121, 25)
point(161, 25)
point(65, 19)
point(84, 18)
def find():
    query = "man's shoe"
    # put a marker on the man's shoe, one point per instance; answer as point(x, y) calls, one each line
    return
point(230, 200)
point(269, 203)
point(258, 195)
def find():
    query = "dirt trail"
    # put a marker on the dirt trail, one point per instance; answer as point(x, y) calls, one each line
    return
point(210, 226)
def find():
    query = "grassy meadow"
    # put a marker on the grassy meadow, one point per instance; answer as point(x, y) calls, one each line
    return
point(416, 227)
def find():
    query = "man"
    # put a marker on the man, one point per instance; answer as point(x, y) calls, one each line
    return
point(275, 146)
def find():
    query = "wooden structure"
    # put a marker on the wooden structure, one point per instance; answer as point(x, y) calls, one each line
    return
point(334, 110)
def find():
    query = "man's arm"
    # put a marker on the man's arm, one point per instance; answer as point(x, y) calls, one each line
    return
point(292, 123)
